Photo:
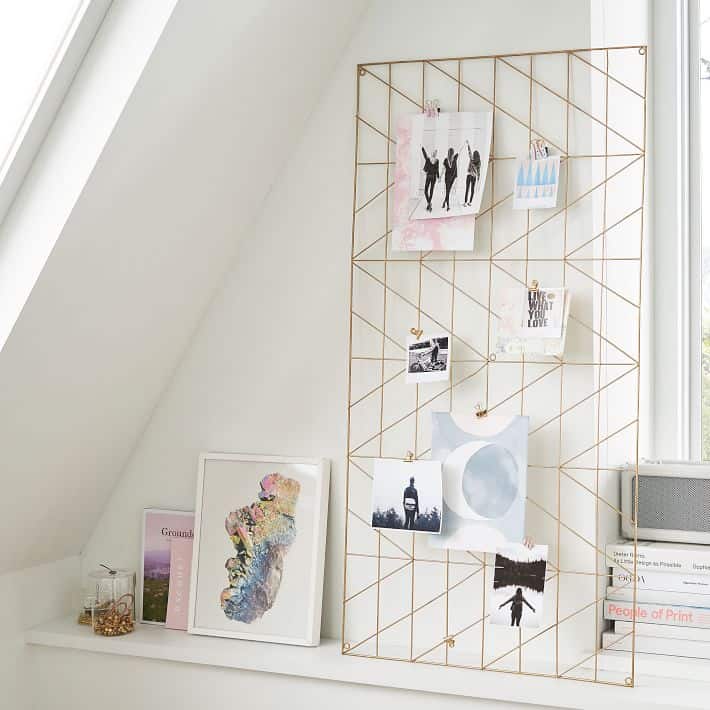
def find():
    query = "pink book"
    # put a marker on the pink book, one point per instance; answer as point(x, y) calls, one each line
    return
point(160, 528)
point(178, 596)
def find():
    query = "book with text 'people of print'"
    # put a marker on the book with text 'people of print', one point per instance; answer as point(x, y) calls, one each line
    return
point(651, 613)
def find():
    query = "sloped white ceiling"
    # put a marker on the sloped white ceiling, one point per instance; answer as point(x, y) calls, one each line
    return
point(205, 134)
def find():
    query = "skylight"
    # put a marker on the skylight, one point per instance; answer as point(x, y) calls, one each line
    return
point(42, 43)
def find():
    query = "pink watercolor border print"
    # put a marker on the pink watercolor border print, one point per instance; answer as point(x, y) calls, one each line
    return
point(441, 234)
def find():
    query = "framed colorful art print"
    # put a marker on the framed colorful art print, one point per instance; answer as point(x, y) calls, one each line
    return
point(260, 527)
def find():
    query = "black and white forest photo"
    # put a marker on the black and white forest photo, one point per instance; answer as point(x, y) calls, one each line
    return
point(407, 495)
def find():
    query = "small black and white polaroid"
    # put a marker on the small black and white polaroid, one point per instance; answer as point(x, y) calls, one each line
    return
point(407, 495)
point(428, 358)
point(518, 586)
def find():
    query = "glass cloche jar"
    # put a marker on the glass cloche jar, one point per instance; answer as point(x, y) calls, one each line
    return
point(114, 609)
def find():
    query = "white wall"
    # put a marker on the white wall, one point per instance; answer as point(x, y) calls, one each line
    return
point(29, 597)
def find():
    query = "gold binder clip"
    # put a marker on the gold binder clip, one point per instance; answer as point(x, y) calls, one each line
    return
point(534, 285)
point(431, 108)
point(409, 457)
point(538, 149)
point(450, 641)
point(480, 411)
point(416, 332)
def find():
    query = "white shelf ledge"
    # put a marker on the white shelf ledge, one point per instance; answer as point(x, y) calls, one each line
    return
point(325, 662)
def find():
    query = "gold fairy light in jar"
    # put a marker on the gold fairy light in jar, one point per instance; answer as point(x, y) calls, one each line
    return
point(113, 613)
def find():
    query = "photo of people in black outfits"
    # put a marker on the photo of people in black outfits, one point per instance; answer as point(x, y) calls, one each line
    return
point(406, 495)
point(518, 586)
point(449, 168)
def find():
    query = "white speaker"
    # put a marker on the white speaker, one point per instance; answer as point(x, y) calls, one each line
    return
point(673, 501)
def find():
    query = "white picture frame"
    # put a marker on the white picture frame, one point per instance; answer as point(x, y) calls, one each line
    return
point(218, 472)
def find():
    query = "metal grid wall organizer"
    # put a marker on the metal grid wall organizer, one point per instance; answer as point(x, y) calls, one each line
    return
point(403, 600)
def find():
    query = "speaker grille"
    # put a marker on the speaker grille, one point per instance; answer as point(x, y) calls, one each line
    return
point(670, 503)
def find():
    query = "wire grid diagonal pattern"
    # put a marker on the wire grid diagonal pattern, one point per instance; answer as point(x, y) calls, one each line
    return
point(401, 599)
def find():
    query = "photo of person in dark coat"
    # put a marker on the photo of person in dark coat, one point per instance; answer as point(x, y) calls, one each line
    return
point(407, 495)
point(410, 502)
point(516, 607)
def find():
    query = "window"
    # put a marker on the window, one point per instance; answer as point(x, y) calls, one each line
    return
point(703, 115)
point(42, 43)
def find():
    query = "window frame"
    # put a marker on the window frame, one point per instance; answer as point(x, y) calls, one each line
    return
point(672, 355)
point(692, 210)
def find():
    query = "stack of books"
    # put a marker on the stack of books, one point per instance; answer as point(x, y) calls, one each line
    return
point(672, 607)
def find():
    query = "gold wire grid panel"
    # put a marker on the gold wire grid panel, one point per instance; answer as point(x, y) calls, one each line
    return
point(403, 600)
